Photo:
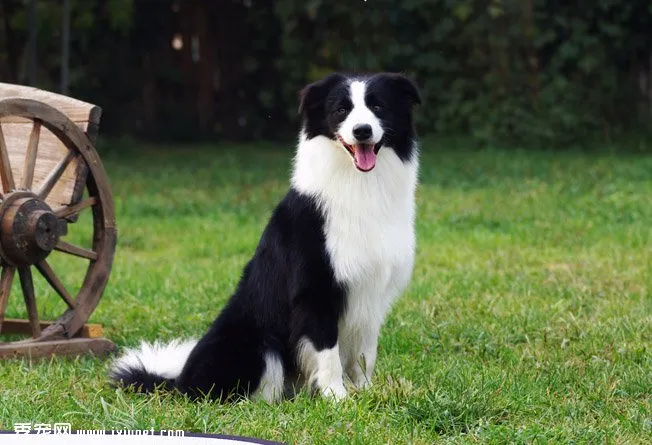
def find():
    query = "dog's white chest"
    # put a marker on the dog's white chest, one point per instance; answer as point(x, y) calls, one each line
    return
point(369, 232)
point(373, 260)
point(370, 251)
point(369, 221)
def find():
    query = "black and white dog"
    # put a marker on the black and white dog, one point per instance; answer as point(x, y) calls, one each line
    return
point(337, 251)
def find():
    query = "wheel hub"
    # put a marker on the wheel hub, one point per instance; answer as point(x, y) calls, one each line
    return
point(29, 229)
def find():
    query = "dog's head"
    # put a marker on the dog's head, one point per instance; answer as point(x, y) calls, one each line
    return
point(361, 115)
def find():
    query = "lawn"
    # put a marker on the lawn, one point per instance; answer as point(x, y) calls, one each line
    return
point(528, 319)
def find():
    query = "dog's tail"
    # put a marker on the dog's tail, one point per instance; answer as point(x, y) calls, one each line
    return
point(151, 366)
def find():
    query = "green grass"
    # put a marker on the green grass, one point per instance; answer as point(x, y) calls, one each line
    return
point(528, 319)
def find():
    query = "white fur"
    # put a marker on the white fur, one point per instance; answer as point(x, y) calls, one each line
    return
point(164, 360)
point(322, 368)
point(271, 384)
point(360, 114)
point(370, 237)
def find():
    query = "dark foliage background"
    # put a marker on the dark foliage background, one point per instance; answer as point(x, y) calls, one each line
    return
point(547, 73)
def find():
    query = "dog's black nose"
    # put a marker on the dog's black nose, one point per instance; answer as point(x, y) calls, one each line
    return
point(362, 132)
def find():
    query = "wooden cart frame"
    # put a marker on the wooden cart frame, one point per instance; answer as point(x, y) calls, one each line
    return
point(50, 173)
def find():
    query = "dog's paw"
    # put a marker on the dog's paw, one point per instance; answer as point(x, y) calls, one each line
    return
point(358, 379)
point(362, 384)
point(334, 392)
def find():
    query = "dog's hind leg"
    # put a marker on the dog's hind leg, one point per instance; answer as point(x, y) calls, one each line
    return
point(271, 386)
point(228, 362)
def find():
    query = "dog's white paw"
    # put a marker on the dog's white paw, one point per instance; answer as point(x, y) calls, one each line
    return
point(363, 383)
point(359, 379)
point(334, 392)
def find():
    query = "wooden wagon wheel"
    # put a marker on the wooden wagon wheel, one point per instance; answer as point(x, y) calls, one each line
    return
point(30, 230)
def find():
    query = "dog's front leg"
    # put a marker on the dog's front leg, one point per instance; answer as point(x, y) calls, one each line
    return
point(361, 358)
point(318, 351)
point(316, 310)
point(322, 368)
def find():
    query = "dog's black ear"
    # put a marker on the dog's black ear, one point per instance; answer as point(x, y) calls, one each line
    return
point(314, 94)
point(406, 86)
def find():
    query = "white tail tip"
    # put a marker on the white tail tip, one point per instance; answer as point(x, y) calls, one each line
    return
point(164, 360)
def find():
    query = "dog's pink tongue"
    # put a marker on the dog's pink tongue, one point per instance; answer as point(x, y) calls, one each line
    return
point(365, 157)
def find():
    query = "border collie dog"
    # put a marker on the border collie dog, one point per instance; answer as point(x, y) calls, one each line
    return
point(336, 252)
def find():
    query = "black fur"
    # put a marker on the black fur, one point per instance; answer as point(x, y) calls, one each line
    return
point(141, 380)
point(287, 291)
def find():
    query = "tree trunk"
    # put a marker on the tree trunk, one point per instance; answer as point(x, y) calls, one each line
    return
point(31, 48)
point(65, 46)
point(530, 51)
point(230, 37)
point(10, 72)
point(148, 92)
point(205, 53)
point(198, 61)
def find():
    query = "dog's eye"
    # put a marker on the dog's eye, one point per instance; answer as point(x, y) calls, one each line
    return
point(377, 107)
point(340, 111)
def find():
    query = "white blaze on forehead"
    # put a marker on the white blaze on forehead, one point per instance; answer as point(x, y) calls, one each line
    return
point(357, 94)
point(360, 114)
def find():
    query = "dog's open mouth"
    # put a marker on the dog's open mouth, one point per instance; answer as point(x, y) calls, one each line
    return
point(364, 155)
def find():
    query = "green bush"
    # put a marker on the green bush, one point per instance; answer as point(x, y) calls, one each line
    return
point(536, 72)
point(546, 73)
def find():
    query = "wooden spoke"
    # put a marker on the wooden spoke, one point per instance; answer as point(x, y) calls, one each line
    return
point(7, 178)
point(26, 283)
point(71, 249)
point(55, 174)
point(30, 156)
point(6, 278)
point(66, 211)
point(54, 281)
